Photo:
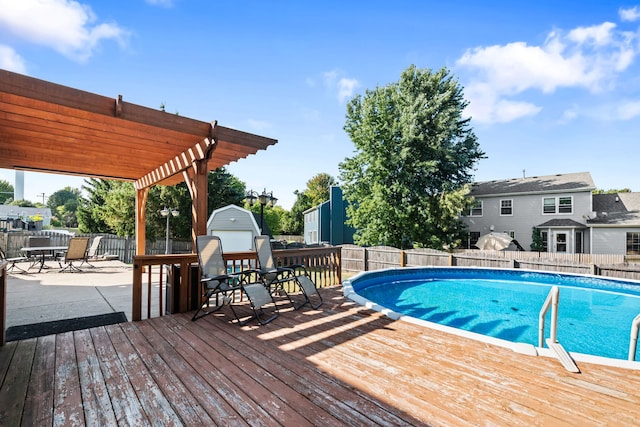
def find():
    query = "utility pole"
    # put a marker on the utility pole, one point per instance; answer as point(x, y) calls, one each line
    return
point(42, 194)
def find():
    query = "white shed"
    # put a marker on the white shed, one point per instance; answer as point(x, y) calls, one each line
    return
point(235, 226)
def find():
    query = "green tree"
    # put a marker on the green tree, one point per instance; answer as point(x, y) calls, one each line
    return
point(406, 183)
point(537, 244)
point(23, 203)
point(611, 191)
point(6, 191)
point(88, 213)
point(317, 191)
point(110, 205)
point(64, 205)
point(118, 211)
point(319, 188)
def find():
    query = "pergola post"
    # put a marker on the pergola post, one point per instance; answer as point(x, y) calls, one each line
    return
point(141, 219)
point(196, 180)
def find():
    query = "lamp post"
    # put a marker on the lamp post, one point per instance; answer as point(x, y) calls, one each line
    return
point(264, 199)
point(166, 212)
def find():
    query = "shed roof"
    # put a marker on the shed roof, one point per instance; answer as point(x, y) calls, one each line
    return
point(558, 183)
point(47, 127)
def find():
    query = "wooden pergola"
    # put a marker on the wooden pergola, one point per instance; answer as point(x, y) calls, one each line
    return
point(46, 127)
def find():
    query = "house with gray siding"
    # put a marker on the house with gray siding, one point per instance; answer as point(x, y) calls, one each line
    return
point(615, 224)
point(563, 208)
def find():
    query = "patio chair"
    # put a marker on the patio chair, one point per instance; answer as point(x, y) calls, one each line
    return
point(91, 253)
point(220, 284)
point(76, 252)
point(13, 262)
point(275, 278)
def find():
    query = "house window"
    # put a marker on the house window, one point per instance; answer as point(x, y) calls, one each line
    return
point(633, 243)
point(562, 205)
point(565, 205)
point(476, 210)
point(549, 205)
point(506, 207)
point(510, 233)
point(545, 241)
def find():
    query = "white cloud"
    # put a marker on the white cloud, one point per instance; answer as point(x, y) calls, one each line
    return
point(345, 87)
point(627, 110)
point(631, 14)
point(585, 57)
point(67, 26)
point(11, 61)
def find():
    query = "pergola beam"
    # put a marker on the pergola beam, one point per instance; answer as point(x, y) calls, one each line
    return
point(179, 163)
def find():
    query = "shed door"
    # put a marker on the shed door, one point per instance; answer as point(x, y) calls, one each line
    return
point(235, 241)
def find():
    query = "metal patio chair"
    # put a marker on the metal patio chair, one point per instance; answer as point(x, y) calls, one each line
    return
point(92, 251)
point(275, 278)
point(13, 262)
point(221, 286)
point(76, 252)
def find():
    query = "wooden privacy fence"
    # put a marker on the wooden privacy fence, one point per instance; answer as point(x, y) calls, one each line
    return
point(356, 259)
point(171, 283)
point(121, 247)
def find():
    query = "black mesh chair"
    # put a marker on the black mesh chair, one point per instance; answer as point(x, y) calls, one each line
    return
point(219, 286)
point(276, 278)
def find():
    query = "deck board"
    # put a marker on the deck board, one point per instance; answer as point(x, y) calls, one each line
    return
point(340, 365)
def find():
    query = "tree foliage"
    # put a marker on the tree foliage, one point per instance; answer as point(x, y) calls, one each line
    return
point(406, 183)
point(6, 191)
point(611, 191)
point(537, 244)
point(64, 205)
point(317, 191)
point(110, 205)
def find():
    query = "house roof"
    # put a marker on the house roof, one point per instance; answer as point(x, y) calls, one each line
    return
point(562, 223)
point(47, 127)
point(617, 208)
point(559, 183)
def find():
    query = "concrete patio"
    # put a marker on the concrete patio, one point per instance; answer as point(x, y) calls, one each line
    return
point(51, 295)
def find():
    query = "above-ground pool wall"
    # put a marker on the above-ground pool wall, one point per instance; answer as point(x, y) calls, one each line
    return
point(356, 259)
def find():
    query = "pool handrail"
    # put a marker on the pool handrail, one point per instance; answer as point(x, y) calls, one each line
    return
point(633, 342)
point(551, 301)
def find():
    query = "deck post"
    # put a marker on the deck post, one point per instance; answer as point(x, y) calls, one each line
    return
point(136, 309)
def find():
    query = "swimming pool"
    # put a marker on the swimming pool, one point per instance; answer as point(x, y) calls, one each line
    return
point(595, 314)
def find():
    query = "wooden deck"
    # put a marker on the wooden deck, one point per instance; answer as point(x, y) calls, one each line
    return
point(340, 365)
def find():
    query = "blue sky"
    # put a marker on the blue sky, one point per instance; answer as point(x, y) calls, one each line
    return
point(554, 87)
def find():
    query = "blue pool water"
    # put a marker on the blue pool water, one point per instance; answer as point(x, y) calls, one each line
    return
point(594, 315)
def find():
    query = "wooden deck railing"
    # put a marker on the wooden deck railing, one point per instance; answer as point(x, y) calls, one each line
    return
point(170, 283)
